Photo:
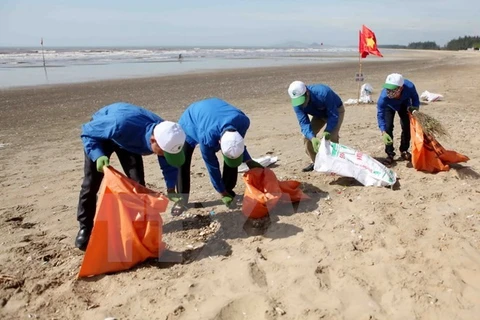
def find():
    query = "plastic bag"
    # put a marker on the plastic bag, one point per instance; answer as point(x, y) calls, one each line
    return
point(342, 160)
point(263, 192)
point(429, 155)
point(127, 228)
point(430, 97)
point(365, 96)
point(366, 93)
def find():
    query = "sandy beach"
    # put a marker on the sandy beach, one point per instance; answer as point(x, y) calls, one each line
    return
point(351, 252)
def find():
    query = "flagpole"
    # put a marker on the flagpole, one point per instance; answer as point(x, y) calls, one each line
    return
point(43, 55)
point(360, 74)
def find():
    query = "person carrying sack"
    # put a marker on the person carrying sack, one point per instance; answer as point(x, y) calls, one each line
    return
point(131, 132)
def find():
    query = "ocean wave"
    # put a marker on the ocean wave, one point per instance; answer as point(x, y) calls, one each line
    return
point(68, 56)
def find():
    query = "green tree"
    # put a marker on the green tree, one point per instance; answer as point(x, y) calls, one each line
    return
point(463, 43)
point(426, 45)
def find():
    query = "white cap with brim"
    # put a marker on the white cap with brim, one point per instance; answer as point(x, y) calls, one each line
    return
point(296, 91)
point(393, 81)
point(170, 138)
point(233, 146)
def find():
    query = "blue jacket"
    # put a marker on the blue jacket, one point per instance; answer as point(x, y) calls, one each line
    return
point(324, 104)
point(128, 126)
point(204, 122)
point(409, 97)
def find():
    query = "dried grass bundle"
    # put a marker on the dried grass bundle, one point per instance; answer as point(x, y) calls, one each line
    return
point(430, 125)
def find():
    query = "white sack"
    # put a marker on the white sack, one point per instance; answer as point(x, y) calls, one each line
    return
point(342, 160)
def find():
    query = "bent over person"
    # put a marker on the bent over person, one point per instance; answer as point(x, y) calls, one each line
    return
point(214, 125)
point(326, 109)
point(131, 132)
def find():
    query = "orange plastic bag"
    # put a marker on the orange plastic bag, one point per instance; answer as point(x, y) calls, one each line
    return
point(127, 228)
point(263, 191)
point(429, 155)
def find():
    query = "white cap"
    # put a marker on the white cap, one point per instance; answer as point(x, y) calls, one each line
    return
point(296, 91)
point(169, 136)
point(393, 81)
point(232, 144)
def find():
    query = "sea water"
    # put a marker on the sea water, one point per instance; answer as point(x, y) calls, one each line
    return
point(25, 66)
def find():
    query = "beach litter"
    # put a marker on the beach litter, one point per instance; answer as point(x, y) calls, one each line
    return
point(430, 97)
point(265, 161)
point(365, 96)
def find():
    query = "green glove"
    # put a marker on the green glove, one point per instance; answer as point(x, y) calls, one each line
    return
point(175, 197)
point(412, 109)
point(316, 144)
point(387, 139)
point(253, 164)
point(101, 162)
point(326, 135)
point(227, 200)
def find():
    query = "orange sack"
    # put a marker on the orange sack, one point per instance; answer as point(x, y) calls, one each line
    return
point(127, 228)
point(263, 191)
point(429, 155)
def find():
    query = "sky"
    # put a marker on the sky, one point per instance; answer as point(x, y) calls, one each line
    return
point(232, 22)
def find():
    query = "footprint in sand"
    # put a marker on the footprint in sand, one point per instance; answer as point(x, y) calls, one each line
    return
point(323, 275)
point(250, 307)
point(257, 274)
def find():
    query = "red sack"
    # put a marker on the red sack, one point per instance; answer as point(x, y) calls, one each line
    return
point(127, 228)
point(429, 155)
point(263, 191)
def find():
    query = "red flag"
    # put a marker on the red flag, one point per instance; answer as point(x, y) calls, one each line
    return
point(368, 43)
point(361, 44)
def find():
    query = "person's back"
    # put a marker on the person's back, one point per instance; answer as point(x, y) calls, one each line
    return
point(205, 121)
point(128, 125)
point(321, 97)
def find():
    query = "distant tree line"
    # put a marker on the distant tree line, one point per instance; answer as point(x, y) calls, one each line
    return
point(426, 45)
point(462, 43)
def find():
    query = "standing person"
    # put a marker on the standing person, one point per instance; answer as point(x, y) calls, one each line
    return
point(131, 132)
point(325, 107)
point(214, 125)
point(400, 96)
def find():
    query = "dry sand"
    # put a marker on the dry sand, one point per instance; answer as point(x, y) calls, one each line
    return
point(351, 252)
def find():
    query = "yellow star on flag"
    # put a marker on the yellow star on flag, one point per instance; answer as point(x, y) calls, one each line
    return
point(370, 42)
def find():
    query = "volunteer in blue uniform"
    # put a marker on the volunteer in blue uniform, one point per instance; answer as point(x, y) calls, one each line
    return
point(400, 96)
point(131, 132)
point(214, 125)
point(325, 107)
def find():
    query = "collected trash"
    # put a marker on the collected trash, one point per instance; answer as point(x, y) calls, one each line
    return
point(430, 97)
point(428, 154)
point(342, 160)
point(430, 125)
point(265, 161)
point(128, 226)
point(366, 93)
point(365, 96)
point(263, 191)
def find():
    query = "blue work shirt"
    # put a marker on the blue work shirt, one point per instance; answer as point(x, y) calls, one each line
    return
point(323, 104)
point(409, 97)
point(128, 126)
point(204, 123)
